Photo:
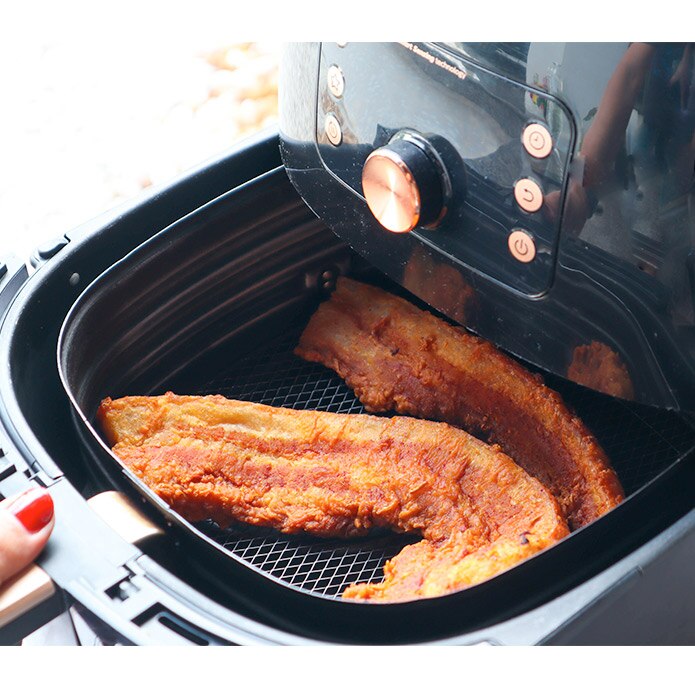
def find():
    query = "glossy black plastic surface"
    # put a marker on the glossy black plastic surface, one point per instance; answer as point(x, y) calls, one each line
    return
point(608, 301)
point(479, 142)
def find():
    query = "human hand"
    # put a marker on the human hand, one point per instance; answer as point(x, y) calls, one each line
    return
point(576, 208)
point(26, 522)
point(682, 76)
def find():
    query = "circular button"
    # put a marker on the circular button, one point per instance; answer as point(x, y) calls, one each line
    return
point(521, 246)
point(528, 195)
point(404, 184)
point(537, 141)
point(336, 81)
point(331, 126)
point(391, 191)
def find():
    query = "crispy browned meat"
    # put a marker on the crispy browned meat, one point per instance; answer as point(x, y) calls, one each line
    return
point(338, 476)
point(397, 357)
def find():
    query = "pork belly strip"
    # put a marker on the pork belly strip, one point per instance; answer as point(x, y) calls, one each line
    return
point(337, 475)
point(399, 358)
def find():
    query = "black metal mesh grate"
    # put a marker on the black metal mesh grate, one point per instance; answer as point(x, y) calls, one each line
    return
point(641, 442)
point(320, 566)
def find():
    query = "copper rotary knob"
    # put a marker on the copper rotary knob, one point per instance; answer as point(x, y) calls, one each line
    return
point(402, 183)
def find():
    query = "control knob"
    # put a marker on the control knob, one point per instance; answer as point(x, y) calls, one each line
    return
point(405, 183)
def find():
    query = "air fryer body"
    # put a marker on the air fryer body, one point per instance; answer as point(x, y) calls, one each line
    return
point(173, 291)
point(608, 299)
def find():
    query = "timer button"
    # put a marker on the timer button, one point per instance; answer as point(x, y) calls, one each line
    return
point(537, 141)
point(528, 195)
point(522, 246)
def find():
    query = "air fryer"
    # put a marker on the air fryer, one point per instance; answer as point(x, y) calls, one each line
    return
point(205, 285)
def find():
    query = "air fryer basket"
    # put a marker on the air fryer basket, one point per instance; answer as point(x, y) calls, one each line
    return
point(215, 304)
point(640, 441)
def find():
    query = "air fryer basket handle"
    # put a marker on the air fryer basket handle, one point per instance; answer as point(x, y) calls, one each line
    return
point(31, 598)
point(27, 601)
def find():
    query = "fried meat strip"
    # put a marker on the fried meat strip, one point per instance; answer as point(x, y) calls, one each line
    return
point(399, 358)
point(335, 475)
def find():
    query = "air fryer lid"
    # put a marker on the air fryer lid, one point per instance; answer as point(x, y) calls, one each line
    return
point(214, 304)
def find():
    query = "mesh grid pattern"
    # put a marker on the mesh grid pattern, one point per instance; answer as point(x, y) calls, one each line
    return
point(640, 441)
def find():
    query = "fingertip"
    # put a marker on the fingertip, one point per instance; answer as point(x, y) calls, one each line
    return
point(34, 509)
point(26, 523)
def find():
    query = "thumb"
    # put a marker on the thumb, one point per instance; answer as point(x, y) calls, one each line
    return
point(26, 522)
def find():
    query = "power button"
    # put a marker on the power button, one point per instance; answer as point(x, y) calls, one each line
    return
point(332, 128)
point(521, 246)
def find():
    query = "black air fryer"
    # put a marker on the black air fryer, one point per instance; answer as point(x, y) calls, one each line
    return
point(542, 195)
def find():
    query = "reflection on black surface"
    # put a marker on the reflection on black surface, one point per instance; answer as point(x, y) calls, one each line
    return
point(507, 58)
point(442, 285)
point(637, 179)
point(475, 125)
point(609, 294)
point(597, 366)
point(631, 193)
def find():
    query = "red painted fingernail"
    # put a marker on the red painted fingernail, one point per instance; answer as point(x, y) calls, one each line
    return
point(34, 509)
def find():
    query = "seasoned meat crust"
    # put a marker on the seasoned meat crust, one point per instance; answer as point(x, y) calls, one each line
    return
point(337, 475)
point(397, 357)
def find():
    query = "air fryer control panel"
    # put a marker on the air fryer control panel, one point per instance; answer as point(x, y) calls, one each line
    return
point(498, 153)
point(539, 194)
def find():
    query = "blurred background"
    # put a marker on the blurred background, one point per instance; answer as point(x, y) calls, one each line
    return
point(89, 119)
point(98, 101)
